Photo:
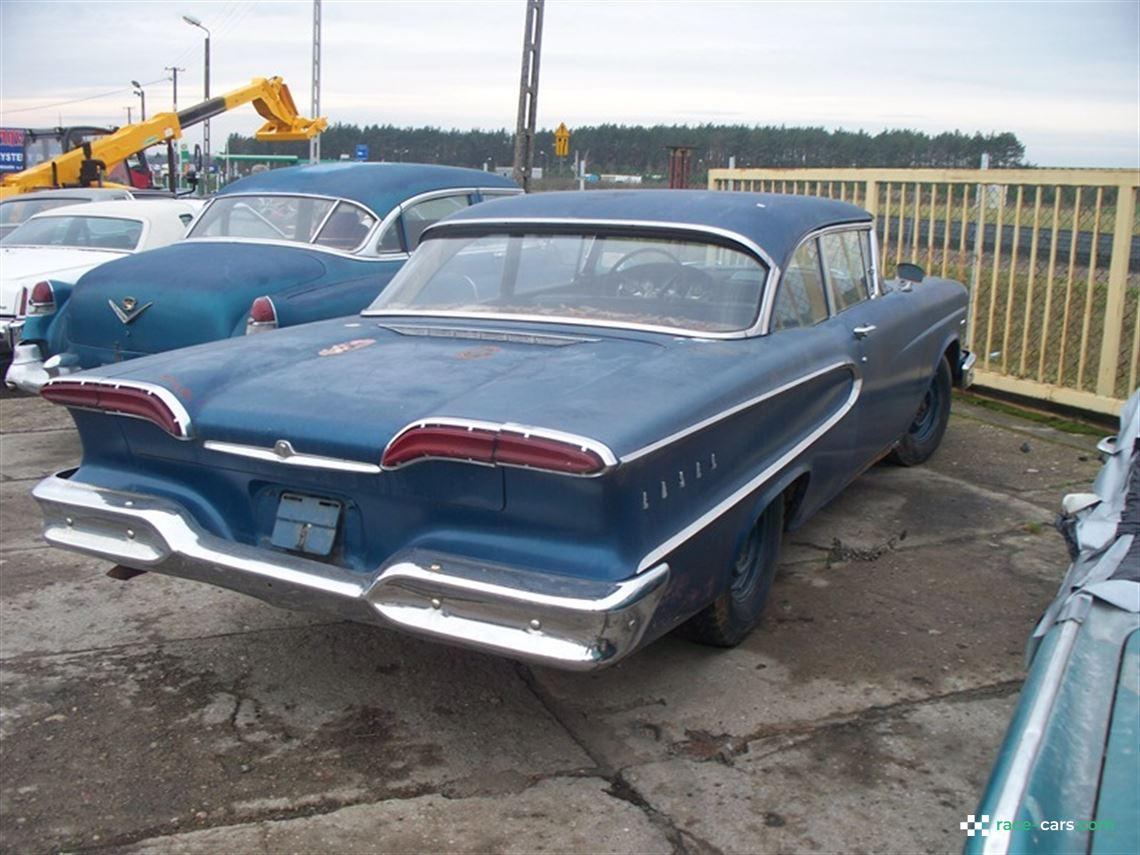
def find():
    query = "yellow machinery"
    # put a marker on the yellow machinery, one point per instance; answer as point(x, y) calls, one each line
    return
point(88, 165)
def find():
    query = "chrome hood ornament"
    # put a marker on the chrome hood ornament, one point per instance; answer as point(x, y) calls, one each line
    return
point(129, 310)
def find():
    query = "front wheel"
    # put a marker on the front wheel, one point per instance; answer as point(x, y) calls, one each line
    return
point(729, 619)
point(924, 435)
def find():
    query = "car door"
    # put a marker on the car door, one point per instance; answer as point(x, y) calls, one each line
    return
point(877, 326)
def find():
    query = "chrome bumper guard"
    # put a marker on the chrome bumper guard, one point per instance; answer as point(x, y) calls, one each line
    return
point(29, 371)
point(966, 370)
point(10, 331)
point(559, 621)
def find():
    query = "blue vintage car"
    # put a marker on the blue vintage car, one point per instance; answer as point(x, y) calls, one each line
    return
point(283, 247)
point(572, 423)
point(1067, 776)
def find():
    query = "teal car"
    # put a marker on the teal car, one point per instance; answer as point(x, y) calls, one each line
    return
point(1067, 777)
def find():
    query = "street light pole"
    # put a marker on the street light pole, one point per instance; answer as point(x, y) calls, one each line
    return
point(142, 96)
point(194, 22)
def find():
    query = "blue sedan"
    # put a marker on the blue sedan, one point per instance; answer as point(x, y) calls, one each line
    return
point(280, 248)
point(572, 423)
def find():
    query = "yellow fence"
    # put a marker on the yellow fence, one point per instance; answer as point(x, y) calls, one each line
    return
point(1051, 258)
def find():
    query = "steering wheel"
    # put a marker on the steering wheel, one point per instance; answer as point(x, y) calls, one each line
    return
point(645, 250)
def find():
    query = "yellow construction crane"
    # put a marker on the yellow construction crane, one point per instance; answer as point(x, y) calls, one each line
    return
point(88, 165)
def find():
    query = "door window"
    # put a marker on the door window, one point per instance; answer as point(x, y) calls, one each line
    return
point(800, 301)
point(847, 280)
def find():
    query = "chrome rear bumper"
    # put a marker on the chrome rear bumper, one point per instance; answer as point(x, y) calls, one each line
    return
point(559, 621)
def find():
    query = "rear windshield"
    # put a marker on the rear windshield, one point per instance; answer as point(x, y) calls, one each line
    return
point(15, 211)
point(302, 219)
point(78, 231)
point(614, 280)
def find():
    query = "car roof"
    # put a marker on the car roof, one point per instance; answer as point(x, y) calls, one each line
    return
point(133, 208)
point(88, 193)
point(776, 222)
point(378, 186)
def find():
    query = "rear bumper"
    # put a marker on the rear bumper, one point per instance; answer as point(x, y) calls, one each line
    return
point(552, 620)
point(10, 331)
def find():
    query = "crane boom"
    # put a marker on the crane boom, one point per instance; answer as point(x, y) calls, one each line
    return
point(86, 166)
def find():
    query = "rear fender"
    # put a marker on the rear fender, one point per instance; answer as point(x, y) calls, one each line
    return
point(321, 302)
point(46, 329)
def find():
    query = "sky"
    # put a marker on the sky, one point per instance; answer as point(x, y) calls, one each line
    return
point(1063, 76)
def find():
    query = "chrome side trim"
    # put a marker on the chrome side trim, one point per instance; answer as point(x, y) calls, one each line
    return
point(283, 452)
point(658, 554)
point(731, 411)
point(1032, 735)
point(314, 247)
point(480, 334)
point(181, 417)
point(609, 460)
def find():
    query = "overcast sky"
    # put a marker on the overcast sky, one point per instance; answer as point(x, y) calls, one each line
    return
point(1063, 76)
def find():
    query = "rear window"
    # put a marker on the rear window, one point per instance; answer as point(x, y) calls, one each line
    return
point(79, 232)
point(675, 283)
point(301, 219)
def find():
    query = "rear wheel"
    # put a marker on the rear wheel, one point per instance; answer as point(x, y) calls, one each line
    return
point(730, 617)
point(924, 435)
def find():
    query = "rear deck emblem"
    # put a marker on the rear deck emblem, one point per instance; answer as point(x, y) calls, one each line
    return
point(130, 309)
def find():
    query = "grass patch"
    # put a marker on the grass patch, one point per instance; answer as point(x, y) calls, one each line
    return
point(1065, 425)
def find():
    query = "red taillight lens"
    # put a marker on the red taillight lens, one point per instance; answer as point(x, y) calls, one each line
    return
point(455, 443)
point(119, 400)
point(493, 447)
point(42, 301)
point(22, 303)
point(262, 316)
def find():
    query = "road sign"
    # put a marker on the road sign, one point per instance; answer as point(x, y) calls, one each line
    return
point(361, 151)
point(562, 141)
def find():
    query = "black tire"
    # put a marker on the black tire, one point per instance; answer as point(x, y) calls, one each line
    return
point(924, 435)
point(729, 619)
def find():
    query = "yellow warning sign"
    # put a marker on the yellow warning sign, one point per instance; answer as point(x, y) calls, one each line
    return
point(562, 141)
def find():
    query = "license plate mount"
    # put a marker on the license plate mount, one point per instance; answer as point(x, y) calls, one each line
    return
point(306, 524)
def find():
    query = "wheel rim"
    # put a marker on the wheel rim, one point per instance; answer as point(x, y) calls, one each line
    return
point(926, 419)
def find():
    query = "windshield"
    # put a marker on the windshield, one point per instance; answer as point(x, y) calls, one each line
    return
point(655, 281)
point(78, 231)
point(303, 219)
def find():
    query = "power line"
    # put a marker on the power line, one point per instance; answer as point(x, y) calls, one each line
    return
point(80, 100)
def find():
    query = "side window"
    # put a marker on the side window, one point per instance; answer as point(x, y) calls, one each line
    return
point(423, 214)
point(390, 239)
point(346, 228)
point(799, 300)
point(846, 272)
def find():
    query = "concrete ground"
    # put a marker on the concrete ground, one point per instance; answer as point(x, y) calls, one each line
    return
point(158, 715)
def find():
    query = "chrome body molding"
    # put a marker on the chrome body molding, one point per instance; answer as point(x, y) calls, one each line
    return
point(731, 411)
point(480, 334)
point(609, 460)
point(283, 452)
point(1036, 720)
point(185, 427)
point(524, 613)
point(660, 552)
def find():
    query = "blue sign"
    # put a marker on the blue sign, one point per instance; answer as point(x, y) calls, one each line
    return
point(361, 151)
point(11, 150)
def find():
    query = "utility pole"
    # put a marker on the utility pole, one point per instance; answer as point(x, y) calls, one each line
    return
point(315, 142)
point(174, 69)
point(528, 94)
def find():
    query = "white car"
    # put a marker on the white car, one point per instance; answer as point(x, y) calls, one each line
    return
point(64, 243)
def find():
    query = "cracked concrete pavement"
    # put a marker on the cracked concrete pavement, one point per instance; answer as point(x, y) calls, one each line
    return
point(158, 715)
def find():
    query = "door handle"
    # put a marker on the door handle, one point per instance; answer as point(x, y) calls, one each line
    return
point(863, 331)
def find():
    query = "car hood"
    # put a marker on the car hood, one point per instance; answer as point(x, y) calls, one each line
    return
point(26, 265)
point(193, 292)
point(344, 388)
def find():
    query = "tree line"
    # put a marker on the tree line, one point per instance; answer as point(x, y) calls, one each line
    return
point(640, 150)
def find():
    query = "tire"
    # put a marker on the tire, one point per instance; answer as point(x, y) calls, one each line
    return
point(729, 619)
point(924, 435)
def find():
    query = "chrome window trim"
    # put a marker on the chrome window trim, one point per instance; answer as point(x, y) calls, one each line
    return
point(733, 410)
point(283, 452)
point(654, 556)
point(770, 293)
point(181, 416)
point(336, 200)
point(609, 460)
point(439, 230)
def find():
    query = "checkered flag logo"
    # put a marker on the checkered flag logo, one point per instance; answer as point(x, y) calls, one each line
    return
point(974, 826)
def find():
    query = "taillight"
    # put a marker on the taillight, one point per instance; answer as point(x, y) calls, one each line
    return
point(497, 445)
point(142, 401)
point(262, 316)
point(42, 301)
